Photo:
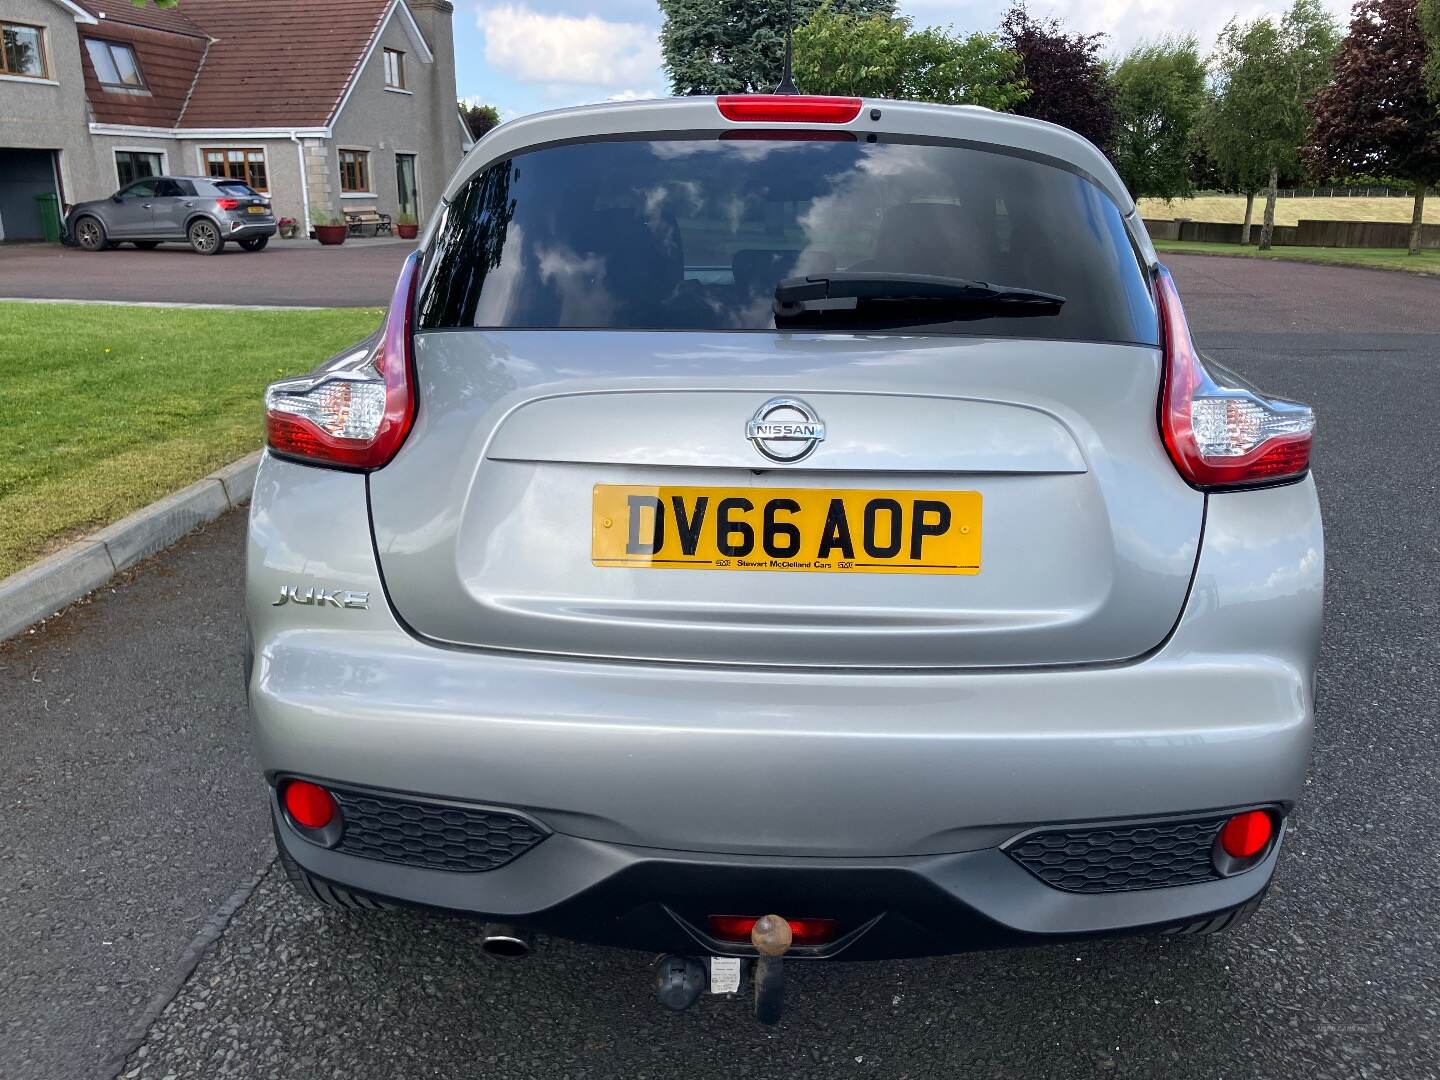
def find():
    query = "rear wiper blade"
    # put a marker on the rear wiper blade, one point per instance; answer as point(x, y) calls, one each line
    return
point(845, 292)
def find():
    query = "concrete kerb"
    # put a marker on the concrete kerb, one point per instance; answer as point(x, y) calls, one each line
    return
point(41, 590)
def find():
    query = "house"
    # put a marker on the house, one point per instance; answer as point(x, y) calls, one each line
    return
point(326, 106)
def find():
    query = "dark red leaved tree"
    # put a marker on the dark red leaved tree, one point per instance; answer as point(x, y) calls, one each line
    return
point(1377, 117)
point(1065, 74)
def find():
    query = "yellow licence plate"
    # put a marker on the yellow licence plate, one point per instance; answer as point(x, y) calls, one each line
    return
point(255, 209)
point(795, 529)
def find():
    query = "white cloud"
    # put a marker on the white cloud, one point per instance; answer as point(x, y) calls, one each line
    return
point(534, 47)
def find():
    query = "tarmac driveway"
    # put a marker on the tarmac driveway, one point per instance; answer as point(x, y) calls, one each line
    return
point(293, 273)
point(130, 810)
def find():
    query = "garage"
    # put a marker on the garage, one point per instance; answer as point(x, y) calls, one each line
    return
point(24, 174)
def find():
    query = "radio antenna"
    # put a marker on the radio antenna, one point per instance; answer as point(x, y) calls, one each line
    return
point(787, 80)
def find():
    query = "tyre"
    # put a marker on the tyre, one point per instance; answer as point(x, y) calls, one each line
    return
point(90, 234)
point(147, 245)
point(253, 243)
point(204, 236)
point(321, 892)
point(1218, 924)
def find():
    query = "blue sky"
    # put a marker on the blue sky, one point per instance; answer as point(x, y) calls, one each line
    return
point(528, 55)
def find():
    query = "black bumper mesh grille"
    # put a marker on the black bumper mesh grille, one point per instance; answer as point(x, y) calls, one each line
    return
point(1121, 858)
point(431, 835)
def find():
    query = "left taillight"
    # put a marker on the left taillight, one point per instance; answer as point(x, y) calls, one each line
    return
point(1222, 437)
point(227, 204)
point(355, 415)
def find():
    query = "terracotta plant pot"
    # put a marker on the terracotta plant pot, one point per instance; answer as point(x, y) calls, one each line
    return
point(407, 232)
point(331, 234)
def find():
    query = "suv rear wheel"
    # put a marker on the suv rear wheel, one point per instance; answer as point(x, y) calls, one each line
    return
point(253, 243)
point(204, 236)
point(90, 234)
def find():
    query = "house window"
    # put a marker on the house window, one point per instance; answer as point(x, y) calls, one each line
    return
point(246, 164)
point(24, 51)
point(355, 171)
point(395, 69)
point(115, 64)
point(132, 165)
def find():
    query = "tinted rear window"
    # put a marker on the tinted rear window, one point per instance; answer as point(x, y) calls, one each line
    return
point(696, 233)
point(238, 189)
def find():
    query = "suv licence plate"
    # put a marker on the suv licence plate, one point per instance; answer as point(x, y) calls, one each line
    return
point(790, 529)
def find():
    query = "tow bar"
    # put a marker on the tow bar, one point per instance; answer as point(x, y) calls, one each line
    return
point(680, 980)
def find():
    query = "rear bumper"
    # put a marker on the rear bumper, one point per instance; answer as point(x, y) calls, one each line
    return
point(241, 228)
point(654, 775)
point(887, 908)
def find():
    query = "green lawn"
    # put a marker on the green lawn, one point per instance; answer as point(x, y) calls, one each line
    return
point(109, 408)
point(1427, 262)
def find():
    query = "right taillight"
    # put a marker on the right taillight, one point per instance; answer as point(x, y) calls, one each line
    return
point(1218, 436)
point(355, 414)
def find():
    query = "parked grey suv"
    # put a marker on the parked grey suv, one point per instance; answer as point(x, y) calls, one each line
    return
point(204, 212)
point(820, 511)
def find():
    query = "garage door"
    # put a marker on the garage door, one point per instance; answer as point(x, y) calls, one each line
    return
point(23, 175)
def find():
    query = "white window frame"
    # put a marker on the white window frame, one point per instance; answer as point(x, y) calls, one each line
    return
point(115, 164)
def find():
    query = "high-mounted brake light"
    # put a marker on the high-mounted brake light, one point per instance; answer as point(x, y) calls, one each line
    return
point(227, 204)
point(788, 109)
point(1223, 437)
point(358, 413)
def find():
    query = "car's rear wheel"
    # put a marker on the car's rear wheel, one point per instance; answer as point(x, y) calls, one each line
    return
point(204, 236)
point(321, 892)
point(90, 234)
point(254, 243)
point(147, 245)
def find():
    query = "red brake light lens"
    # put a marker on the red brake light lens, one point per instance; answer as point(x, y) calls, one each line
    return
point(736, 929)
point(227, 204)
point(1222, 437)
point(358, 414)
point(788, 109)
point(1246, 835)
point(309, 805)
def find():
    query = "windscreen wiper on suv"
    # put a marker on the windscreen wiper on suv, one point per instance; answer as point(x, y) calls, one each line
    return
point(847, 291)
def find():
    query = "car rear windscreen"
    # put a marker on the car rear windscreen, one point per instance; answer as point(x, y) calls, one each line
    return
point(234, 187)
point(695, 234)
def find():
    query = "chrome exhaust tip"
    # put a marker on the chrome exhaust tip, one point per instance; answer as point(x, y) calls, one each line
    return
point(502, 940)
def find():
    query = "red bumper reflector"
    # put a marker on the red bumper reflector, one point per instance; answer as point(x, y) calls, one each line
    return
point(310, 805)
point(736, 928)
point(1246, 835)
point(788, 109)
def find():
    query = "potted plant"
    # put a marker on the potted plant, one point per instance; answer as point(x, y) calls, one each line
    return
point(329, 228)
point(288, 227)
point(406, 227)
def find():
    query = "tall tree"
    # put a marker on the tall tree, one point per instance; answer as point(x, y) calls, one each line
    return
point(1159, 95)
point(1377, 116)
point(738, 46)
point(1065, 74)
point(1430, 27)
point(1259, 119)
point(884, 56)
point(479, 118)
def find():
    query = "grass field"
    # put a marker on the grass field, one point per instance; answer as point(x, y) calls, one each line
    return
point(1427, 262)
point(1289, 211)
point(109, 408)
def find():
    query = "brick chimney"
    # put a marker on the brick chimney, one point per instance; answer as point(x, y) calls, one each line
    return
point(434, 19)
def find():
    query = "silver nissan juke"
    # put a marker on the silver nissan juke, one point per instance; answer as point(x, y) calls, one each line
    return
point(771, 528)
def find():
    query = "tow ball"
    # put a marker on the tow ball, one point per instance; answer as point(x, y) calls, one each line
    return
point(771, 938)
point(680, 980)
